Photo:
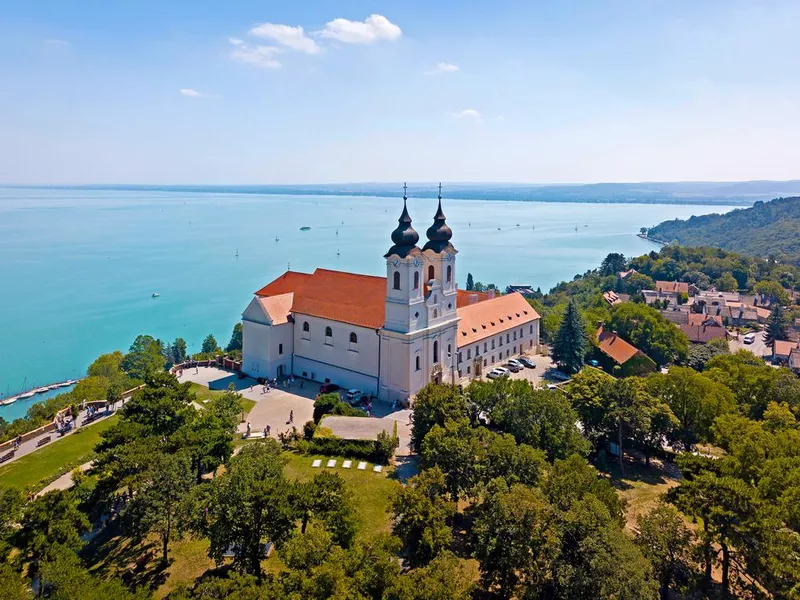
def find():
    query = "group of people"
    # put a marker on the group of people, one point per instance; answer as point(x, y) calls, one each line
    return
point(65, 424)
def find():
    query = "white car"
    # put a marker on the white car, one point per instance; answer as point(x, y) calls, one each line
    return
point(749, 338)
point(497, 372)
point(517, 363)
point(354, 395)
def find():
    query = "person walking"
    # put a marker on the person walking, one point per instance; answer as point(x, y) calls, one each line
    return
point(291, 417)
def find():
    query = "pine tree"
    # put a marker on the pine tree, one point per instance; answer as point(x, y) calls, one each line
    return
point(776, 325)
point(470, 282)
point(570, 344)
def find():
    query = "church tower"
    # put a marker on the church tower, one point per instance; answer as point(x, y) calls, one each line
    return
point(418, 340)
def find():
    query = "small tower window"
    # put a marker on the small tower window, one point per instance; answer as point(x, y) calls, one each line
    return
point(430, 273)
point(305, 326)
point(416, 280)
point(449, 273)
point(436, 352)
point(396, 278)
point(417, 363)
point(353, 337)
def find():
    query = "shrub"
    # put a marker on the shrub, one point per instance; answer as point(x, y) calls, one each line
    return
point(308, 429)
point(332, 404)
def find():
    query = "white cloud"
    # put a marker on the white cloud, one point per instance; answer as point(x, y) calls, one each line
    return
point(469, 113)
point(442, 68)
point(259, 56)
point(374, 28)
point(192, 93)
point(286, 35)
point(56, 42)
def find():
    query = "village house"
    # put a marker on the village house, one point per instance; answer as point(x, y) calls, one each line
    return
point(782, 350)
point(620, 357)
point(612, 298)
point(701, 329)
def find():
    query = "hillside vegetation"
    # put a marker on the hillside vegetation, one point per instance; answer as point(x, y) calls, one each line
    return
point(767, 229)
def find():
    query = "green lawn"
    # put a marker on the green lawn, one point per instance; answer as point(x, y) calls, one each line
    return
point(203, 393)
point(54, 459)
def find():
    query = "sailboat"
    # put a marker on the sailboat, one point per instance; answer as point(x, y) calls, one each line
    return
point(337, 252)
point(276, 238)
point(155, 295)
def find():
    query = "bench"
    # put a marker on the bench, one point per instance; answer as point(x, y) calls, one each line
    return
point(7, 456)
point(43, 441)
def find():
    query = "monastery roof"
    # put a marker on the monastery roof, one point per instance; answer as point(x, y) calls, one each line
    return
point(615, 347)
point(678, 287)
point(278, 307)
point(344, 297)
point(291, 281)
point(493, 316)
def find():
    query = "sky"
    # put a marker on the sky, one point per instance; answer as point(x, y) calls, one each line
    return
point(317, 91)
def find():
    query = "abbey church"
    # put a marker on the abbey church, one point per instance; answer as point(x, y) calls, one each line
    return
point(386, 336)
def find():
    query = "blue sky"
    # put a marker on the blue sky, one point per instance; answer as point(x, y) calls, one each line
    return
point(204, 91)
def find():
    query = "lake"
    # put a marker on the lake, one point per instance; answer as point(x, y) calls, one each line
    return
point(78, 267)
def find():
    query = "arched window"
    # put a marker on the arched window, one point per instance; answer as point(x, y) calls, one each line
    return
point(430, 272)
point(435, 313)
point(353, 337)
point(416, 280)
point(328, 332)
point(305, 326)
point(436, 352)
point(417, 363)
point(396, 277)
point(449, 351)
point(449, 273)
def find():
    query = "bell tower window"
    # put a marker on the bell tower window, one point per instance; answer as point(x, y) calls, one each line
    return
point(396, 280)
point(416, 280)
point(431, 272)
point(435, 352)
point(449, 273)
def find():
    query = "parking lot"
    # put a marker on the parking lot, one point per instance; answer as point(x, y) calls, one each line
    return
point(536, 376)
point(758, 347)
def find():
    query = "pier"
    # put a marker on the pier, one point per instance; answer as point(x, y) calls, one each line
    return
point(37, 390)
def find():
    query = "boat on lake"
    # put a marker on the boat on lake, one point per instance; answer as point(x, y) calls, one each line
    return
point(305, 228)
point(155, 295)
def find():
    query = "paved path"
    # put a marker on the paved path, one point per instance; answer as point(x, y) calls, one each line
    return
point(29, 446)
point(65, 481)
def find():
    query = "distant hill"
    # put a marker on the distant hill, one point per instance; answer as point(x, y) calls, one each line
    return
point(767, 228)
point(742, 193)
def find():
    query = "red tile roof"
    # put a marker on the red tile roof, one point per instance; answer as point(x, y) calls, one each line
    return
point(615, 347)
point(278, 307)
point(464, 298)
point(494, 316)
point(677, 287)
point(783, 347)
point(291, 281)
point(344, 297)
point(704, 333)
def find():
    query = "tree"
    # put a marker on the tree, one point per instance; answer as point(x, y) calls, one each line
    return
point(636, 282)
point(470, 282)
point(144, 358)
point(327, 498)
point(700, 354)
point(444, 578)
point(570, 345)
point(50, 522)
point(665, 540)
point(12, 586)
point(236, 338)
point(434, 405)
point(160, 503)
point(650, 332)
point(11, 503)
point(776, 325)
point(176, 352)
point(516, 539)
point(421, 516)
point(209, 345)
point(773, 291)
point(726, 283)
point(248, 506)
point(694, 399)
point(108, 366)
point(612, 264)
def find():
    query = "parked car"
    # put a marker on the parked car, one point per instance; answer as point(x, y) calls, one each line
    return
point(749, 338)
point(497, 372)
point(353, 396)
point(555, 374)
point(594, 363)
point(552, 386)
point(513, 366)
point(328, 388)
point(525, 361)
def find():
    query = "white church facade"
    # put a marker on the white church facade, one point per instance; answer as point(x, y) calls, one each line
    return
point(387, 336)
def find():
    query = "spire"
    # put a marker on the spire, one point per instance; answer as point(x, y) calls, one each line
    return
point(404, 237)
point(439, 233)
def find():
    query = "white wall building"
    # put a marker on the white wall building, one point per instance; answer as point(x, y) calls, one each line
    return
point(386, 336)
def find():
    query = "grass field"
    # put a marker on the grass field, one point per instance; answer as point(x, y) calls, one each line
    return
point(203, 393)
point(54, 459)
point(643, 487)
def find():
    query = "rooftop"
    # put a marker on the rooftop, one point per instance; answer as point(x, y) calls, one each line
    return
point(279, 308)
point(344, 297)
point(784, 347)
point(493, 316)
point(291, 281)
point(677, 287)
point(615, 347)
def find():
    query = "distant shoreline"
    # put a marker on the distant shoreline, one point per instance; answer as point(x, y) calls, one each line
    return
point(579, 194)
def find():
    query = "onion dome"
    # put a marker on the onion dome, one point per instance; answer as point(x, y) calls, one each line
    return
point(439, 233)
point(404, 237)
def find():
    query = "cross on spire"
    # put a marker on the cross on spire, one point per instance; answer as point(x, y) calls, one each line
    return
point(440, 190)
point(405, 189)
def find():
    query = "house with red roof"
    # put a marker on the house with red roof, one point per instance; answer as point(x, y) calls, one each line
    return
point(386, 336)
point(619, 357)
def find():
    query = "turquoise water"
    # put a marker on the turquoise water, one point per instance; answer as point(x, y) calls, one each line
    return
point(78, 267)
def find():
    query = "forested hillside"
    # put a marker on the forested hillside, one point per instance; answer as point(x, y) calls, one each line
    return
point(768, 228)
